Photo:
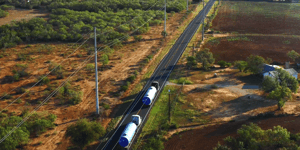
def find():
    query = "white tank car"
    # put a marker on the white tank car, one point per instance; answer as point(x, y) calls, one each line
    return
point(150, 94)
point(129, 131)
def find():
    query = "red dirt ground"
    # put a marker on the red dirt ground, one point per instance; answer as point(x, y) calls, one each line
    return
point(231, 20)
point(208, 137)
point(272, 47)
point(123, 63)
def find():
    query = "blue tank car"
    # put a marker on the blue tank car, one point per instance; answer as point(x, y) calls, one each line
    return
point(129, 131)
point(150, 94)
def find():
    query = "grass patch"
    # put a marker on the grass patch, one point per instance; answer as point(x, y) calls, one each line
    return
point(230, 39)
point(182, 80)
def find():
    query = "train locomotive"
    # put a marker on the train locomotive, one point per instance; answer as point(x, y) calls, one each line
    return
point(150, 94)
point(129, 130)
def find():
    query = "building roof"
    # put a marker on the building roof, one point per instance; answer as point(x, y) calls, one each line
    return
point(291, 71)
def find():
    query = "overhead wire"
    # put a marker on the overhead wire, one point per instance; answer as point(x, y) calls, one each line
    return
point(62, 62)
point(62, 84)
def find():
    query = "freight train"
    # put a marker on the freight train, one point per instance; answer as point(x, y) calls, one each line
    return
point(131, 127)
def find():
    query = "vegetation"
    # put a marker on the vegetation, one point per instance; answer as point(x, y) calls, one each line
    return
point(255, 63)
point(84, 132)
point(154, 144)
point(205, 57)
point(281, 86)
point(36, 124)
point(224, 64)
point(69, 19)
point(43, 80)
point(253, 137)
point(182, 80)
point(241, 65)
point(69, 94)
point(3, 13)
point(293, 55)
point(191, 62)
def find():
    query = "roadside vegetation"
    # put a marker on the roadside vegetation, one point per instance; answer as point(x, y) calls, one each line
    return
point(83, 132)
point(159, 123)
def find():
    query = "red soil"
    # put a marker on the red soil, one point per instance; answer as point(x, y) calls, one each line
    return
point(230, 20)
point(207, 138)
point(265, 46)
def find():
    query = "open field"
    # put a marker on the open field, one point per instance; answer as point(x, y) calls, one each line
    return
point(239, 47)
point(19, 14)
point(258, 17)
point(233, 98)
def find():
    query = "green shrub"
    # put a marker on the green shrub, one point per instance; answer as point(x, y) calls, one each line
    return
point(153, 144)
point(90, 67)
point(7, 7)
point(222, 63)
point(137, 38)
point(183, 80)
point(125, 87)
point(20, 70)
point(43, 80)
point(131, 78)
point(39, 122)
point(3, 13)
point(19, 101)
point(105, 105)
point(84, 132)
point(69, 94)
point(241, 65)
point(20, 90)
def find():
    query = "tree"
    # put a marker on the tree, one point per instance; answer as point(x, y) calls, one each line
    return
point(19, 137)
point(205, 57)
point(191, 62)
point(241, 65)
point(281, 94)
point(253, 137)
point(255, 63)
point(104, 59)
point(269, 84)
point(281, 86)
point(84, 132)
point(293, 55)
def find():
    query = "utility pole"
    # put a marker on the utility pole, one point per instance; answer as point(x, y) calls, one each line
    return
point(96, 73)
point(169, 107)
point(165, 16)
point(187, 5)
point(203, 22)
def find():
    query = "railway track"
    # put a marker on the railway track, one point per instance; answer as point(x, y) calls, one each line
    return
point(161, 74)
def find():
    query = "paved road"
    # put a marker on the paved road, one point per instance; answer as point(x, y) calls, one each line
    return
point(161, 75)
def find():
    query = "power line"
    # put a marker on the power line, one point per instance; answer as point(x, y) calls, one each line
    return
point(63, 61)
point(56, 90)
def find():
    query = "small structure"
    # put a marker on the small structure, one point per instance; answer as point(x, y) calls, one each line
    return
point(272, 74)
point(268, 68)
